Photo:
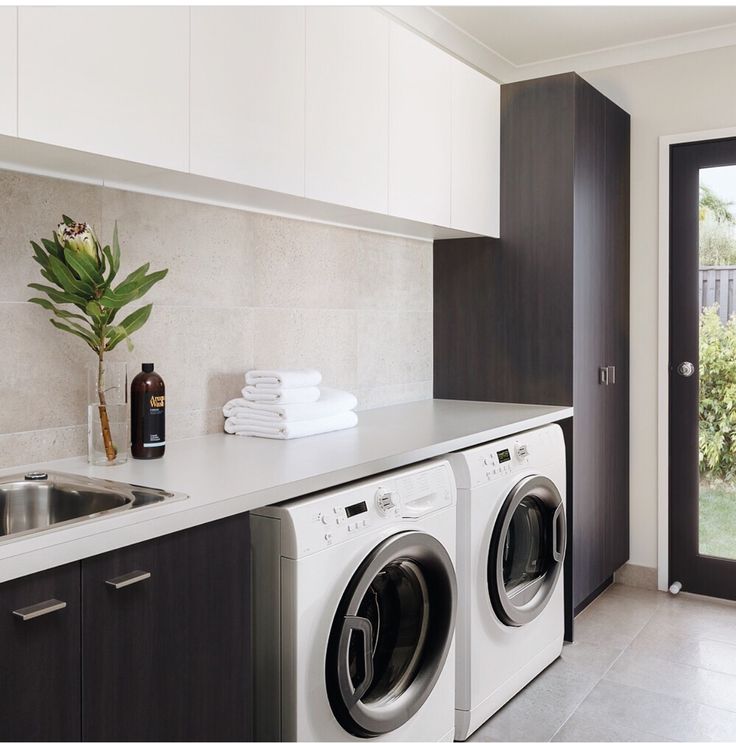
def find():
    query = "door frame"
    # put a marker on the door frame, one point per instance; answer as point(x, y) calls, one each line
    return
point(663, 341)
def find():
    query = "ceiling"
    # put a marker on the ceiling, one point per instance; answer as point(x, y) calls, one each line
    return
point(526, 35)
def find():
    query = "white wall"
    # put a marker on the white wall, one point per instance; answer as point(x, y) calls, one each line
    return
point(687, 93)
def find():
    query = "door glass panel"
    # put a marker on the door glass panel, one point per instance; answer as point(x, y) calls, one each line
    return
point(526, 551)
point(397, 606)
point(717, 364)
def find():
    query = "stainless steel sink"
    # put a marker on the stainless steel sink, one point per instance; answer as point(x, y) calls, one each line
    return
point(38, 501)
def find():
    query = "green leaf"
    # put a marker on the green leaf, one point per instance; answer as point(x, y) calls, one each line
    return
point(68, 221)
point(60, 297)
point(59, 313)
point(134, 321)
point(66, 279)
point(93, 310)
point(115, 248)
point(40, 255)
point(85, 268)
point(88, 338)
point(54, 247)
point(132, 279)
point(116, 299)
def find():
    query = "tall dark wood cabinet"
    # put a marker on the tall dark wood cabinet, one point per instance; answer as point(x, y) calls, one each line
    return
point(541, 315)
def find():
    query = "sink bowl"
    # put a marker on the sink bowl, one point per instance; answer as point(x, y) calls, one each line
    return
point(39, 501)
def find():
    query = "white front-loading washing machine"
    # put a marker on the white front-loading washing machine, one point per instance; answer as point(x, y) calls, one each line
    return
point(511, 547)
point(355, 596)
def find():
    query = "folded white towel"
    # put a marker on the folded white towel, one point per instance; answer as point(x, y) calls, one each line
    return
point(331, 402)
point(281, 396)
point(283, 378)
point(291, 429)
point(232, 406)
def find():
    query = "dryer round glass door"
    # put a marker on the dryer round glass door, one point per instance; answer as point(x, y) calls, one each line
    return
point(527, 550)
point(391, 634)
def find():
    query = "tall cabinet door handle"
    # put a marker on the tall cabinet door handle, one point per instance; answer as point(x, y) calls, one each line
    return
point(602, 375)
point(128, 579)
point(38, 610)
point(611, 375)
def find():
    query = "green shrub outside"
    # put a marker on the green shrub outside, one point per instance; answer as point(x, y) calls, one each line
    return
point(717, 442)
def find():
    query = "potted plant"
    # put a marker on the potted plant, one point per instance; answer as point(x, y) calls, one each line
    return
point(81, 296)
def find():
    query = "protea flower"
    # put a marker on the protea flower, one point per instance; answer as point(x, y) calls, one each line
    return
point(79, 237)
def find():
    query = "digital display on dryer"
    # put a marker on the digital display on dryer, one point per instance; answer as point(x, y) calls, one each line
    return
point(355, 509)
point(504, 456)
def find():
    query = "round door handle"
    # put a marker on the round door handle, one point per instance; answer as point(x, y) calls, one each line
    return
point(686, 369)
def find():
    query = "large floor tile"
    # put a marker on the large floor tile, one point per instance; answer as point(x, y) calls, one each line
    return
point(542, 707)
point(656, 713)
point(645, 671)
point(697, 619)
point(581, 727)
point(658, 640)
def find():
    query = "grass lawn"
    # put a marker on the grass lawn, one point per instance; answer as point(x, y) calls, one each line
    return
point(717, 528)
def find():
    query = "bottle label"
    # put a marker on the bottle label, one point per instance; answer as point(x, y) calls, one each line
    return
point(154, 421)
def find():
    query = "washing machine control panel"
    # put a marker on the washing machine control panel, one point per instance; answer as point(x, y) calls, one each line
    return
point(499, 459)
point(336, 516)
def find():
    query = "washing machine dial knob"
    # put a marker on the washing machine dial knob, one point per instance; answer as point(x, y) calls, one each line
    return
point(522, 451)
point(385, 502)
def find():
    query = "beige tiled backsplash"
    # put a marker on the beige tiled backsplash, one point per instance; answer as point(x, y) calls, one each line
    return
point(243, 290)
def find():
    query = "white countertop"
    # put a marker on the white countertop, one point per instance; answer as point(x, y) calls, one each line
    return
point(224, 475)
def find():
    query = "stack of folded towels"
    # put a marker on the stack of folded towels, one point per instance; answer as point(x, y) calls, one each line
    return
point(288, 404)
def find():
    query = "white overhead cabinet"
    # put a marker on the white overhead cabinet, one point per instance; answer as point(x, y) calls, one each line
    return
point(107, 80)
point(420, 137)
point(347, 107)
point(475, 151)
point(8, 71)
point(247, 96)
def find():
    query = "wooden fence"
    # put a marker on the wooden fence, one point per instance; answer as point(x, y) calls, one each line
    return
point(718, 286)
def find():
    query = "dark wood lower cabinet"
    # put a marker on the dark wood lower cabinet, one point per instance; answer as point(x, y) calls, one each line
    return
point(166, 657)
point(39, 658)
point(152, 645)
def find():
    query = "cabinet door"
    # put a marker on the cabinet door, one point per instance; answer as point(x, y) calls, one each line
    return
point(166, 657)
point(247, 96)
point(347, 107)
point(420, 102)
point(475, 151)
point(9, 71)
point(108, 80)
point(39, 661)
point(617, 335)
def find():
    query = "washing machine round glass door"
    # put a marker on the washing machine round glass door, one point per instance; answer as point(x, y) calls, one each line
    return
point(391, 634)
point(527, 550)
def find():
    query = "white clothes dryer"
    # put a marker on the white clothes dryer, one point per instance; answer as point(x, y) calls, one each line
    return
point(354, 595)
point(511, 548)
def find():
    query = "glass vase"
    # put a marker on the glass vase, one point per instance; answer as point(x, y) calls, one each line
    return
point(108, 420)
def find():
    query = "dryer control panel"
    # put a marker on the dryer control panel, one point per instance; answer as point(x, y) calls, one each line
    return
point(502, 458)
point(316, 522)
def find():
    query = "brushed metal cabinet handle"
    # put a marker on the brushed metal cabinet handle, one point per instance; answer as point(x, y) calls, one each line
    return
point(612, 375)
point(38, 610)
point(128, 579)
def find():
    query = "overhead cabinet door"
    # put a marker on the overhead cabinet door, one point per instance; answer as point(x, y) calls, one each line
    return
point(108, 80)
point(8, 71)
point(420, 101)
point(347, 107)
point(247, 96)
point(475, 151)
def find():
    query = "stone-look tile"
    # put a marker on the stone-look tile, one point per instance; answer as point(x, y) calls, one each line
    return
point(306, 265)
point(582, 728)
point(702, 652)
point(207, 249)
point(617, 617)
point(27, 447)
point(32, 207)
point(638, 576)
point(323, 339)
point(43, 371)
point(394, 394)
point(190, 423)
point(542, 707)
point(656, 713)
point(394, 347)
point(696, 618)
point(588, 657)
point(645, 671)
point(201, 352)
point(395, 273)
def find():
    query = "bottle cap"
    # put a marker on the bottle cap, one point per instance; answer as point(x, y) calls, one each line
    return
point(147, 368)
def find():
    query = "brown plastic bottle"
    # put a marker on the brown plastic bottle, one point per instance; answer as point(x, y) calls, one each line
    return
point(147, 414)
